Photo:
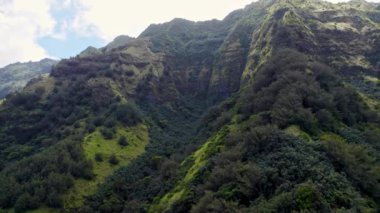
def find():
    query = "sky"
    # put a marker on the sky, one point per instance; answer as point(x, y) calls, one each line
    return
point(31, 30)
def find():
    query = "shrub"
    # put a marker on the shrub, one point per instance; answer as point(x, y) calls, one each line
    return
point(130, 73)
point(325, 119)
point(98, 157)
point(107, 133)
point(24, 99)
point(128, 114)
point(110, 122)
point(123, 141)
point(26, 202)
point(91, 128)
point(113, 160)
point(54, 200)
point(98, 121)
point(307, 197)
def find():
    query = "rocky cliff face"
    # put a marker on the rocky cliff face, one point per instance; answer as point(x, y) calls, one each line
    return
point(215, 58)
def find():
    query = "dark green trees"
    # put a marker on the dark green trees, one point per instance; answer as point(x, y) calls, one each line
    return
point(128, 114)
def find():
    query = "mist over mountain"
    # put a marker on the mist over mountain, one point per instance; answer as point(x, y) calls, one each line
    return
point(273, 109)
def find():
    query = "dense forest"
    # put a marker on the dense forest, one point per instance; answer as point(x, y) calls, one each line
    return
point(276, 108)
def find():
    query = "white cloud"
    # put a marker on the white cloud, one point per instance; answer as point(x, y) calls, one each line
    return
point(115, 17)
point(73, 22)
point(21, 22)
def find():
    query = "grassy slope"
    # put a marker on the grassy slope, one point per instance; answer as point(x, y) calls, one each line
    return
point(47, 83)
point(197, 160)
point(296, 131)
point(372, 103)
point(372, 79)
point(94, 143)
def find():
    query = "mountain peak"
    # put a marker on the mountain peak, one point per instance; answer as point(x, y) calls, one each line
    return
point(89, 51)
point(119, 41)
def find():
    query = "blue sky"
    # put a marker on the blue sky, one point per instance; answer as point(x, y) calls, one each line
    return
point(31, 30)
point(65, 41)
point(70, 46)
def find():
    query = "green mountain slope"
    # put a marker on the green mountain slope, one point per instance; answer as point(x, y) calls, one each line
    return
point(273, 109)
point(15, 76)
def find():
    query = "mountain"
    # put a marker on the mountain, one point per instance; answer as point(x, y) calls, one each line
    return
point(273, 109)
point(15, 76)
point(118, 42)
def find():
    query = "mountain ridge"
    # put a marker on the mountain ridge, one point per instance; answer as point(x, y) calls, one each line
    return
point(15, 76)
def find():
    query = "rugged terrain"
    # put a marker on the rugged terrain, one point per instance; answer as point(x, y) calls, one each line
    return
point(14, 77)
point(273, 109)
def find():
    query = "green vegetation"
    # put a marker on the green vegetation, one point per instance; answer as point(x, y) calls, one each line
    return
point(372, 79)
point(297, 132)
point(43, 210)
point(357, 161)
point(95, 144)
point(273, 109)
point(123, 141)
point(372, 103)
point(307, 197)
point(196, 161)
point(40, 179)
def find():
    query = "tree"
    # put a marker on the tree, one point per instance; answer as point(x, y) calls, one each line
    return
point(98, 157)
point(307, 197)
point(325, 119)
point(128, 114)
point(54, 200)
point(113, 160)
point(110, 122)
point(26, 202)
point(107, 133)
point(123, 141)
